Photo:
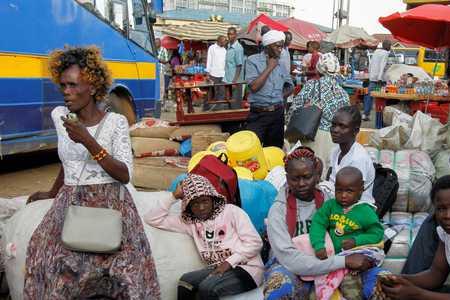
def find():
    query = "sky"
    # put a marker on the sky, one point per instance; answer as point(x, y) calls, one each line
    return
point(363, 13)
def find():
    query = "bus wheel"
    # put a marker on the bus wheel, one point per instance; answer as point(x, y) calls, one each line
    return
point(120, 101)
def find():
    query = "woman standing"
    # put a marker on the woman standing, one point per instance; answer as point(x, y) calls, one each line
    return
point(327, 94)
point(52, 271)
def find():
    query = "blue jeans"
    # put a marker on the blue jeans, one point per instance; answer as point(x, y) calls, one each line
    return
point(368, 100)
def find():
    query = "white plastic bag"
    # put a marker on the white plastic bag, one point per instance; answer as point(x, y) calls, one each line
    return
point(392, 137)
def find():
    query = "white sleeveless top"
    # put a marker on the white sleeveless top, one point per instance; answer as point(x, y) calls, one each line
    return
point(114, 138)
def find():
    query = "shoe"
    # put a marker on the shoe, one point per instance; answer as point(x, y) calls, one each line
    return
point(365, 118)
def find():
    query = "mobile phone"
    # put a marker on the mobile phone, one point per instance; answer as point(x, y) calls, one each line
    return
point(387, 279)
point(72, 117)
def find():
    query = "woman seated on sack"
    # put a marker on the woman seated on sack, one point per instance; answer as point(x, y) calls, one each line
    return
point(423, 285)
point(93, 173)
point(290, 216)
point(348, 152)
point(329, 96)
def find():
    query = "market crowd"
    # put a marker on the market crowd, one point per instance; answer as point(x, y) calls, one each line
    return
point(323, 236)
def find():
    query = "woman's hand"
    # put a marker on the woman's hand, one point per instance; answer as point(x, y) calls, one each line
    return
point(358, 262)
point(322, 254)
point(76, 131)
point(221, 269)
point(399, 287)
point(40, 196)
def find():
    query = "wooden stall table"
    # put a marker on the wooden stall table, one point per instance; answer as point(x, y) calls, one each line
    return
point(183, 94)
point(382, 98)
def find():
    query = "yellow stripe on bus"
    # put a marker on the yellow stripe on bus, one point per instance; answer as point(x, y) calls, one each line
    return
point(33, 66)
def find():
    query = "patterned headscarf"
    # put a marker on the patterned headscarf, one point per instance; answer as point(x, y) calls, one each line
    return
point(195, 186)
point(328, 64)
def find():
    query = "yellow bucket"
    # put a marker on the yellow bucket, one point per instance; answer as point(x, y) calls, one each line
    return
point(243, 173)
point(244, 150)
point(274, 157)
point(196, 159)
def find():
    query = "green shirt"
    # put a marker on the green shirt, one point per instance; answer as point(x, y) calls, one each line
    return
point(361, 223)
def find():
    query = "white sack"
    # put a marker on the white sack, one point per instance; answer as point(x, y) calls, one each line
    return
point(174, 253)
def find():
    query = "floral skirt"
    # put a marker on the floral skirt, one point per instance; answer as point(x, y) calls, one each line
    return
point(53, 272)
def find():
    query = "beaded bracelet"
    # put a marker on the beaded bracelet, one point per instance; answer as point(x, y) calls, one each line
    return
point(101, 155)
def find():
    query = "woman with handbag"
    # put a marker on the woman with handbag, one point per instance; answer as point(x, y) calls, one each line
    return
point(95, 151)
point(328, 96)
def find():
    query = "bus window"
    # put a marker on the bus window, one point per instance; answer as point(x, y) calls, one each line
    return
point(434, 56)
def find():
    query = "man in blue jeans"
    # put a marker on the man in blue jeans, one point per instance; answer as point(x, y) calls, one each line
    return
point(377, 67)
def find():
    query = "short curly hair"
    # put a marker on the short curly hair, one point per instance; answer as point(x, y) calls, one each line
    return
point(93, 69)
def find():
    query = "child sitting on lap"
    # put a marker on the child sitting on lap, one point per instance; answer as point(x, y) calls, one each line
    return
point(350, 223)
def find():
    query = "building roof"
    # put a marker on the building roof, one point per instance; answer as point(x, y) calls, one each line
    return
point(395, 43)
point(203, 14)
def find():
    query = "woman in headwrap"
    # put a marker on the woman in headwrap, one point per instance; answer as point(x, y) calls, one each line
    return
point(225, 238)
point(329, 96)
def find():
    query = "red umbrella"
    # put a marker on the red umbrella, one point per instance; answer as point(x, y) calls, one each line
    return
point(169, 42)
point(427, 25)
point(264, 19)
point(307, 30)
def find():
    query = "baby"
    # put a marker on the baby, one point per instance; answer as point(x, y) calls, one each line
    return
point(349, 222)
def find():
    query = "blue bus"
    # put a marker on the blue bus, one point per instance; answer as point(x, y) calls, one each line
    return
point(31, 29)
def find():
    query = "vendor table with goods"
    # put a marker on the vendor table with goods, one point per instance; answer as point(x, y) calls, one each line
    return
point(186, 92)
point(437, 106)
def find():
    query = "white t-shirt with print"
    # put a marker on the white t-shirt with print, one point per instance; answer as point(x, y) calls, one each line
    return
point(445, 238)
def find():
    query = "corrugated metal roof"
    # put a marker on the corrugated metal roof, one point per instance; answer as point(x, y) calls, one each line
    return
point(234, 18)
point(197, 31)
point(203, 15)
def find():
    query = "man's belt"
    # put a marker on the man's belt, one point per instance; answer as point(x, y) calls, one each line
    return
point(270, 108)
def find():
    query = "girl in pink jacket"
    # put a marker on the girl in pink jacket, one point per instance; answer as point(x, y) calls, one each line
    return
point(224, 235)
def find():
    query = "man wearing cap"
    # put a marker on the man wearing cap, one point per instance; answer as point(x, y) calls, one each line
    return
point(266, 79)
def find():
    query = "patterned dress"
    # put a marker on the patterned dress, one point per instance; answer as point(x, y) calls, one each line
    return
point(53, 272)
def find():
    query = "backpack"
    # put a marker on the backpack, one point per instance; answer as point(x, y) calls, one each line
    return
point(385, 188)
point(222, 177)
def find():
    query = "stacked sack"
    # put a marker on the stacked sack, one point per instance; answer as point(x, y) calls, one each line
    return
point(402, 228)
point(162, 151)
point(415, 172)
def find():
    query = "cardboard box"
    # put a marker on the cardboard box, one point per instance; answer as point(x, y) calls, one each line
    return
point(364, 135)
point(157, 173)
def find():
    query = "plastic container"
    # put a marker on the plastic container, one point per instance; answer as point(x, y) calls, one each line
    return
point(244, 150)
point(197, 157)
point(274, 157)
point(243, 173)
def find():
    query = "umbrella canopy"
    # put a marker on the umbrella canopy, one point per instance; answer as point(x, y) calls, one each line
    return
point(169, 42)
point(306, 30)
point(254, 36)
point(265, 20)
point(427, 25)
point(197, 31)
point(348, 37)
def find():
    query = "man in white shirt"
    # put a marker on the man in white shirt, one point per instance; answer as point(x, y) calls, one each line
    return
point(377, 68)
point(215, 65)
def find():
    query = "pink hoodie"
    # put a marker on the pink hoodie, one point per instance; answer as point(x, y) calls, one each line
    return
point(228, 235)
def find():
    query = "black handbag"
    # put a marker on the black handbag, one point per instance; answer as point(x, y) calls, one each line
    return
point(304, 122)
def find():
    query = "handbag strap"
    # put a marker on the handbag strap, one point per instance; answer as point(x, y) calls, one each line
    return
point(96, 135)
